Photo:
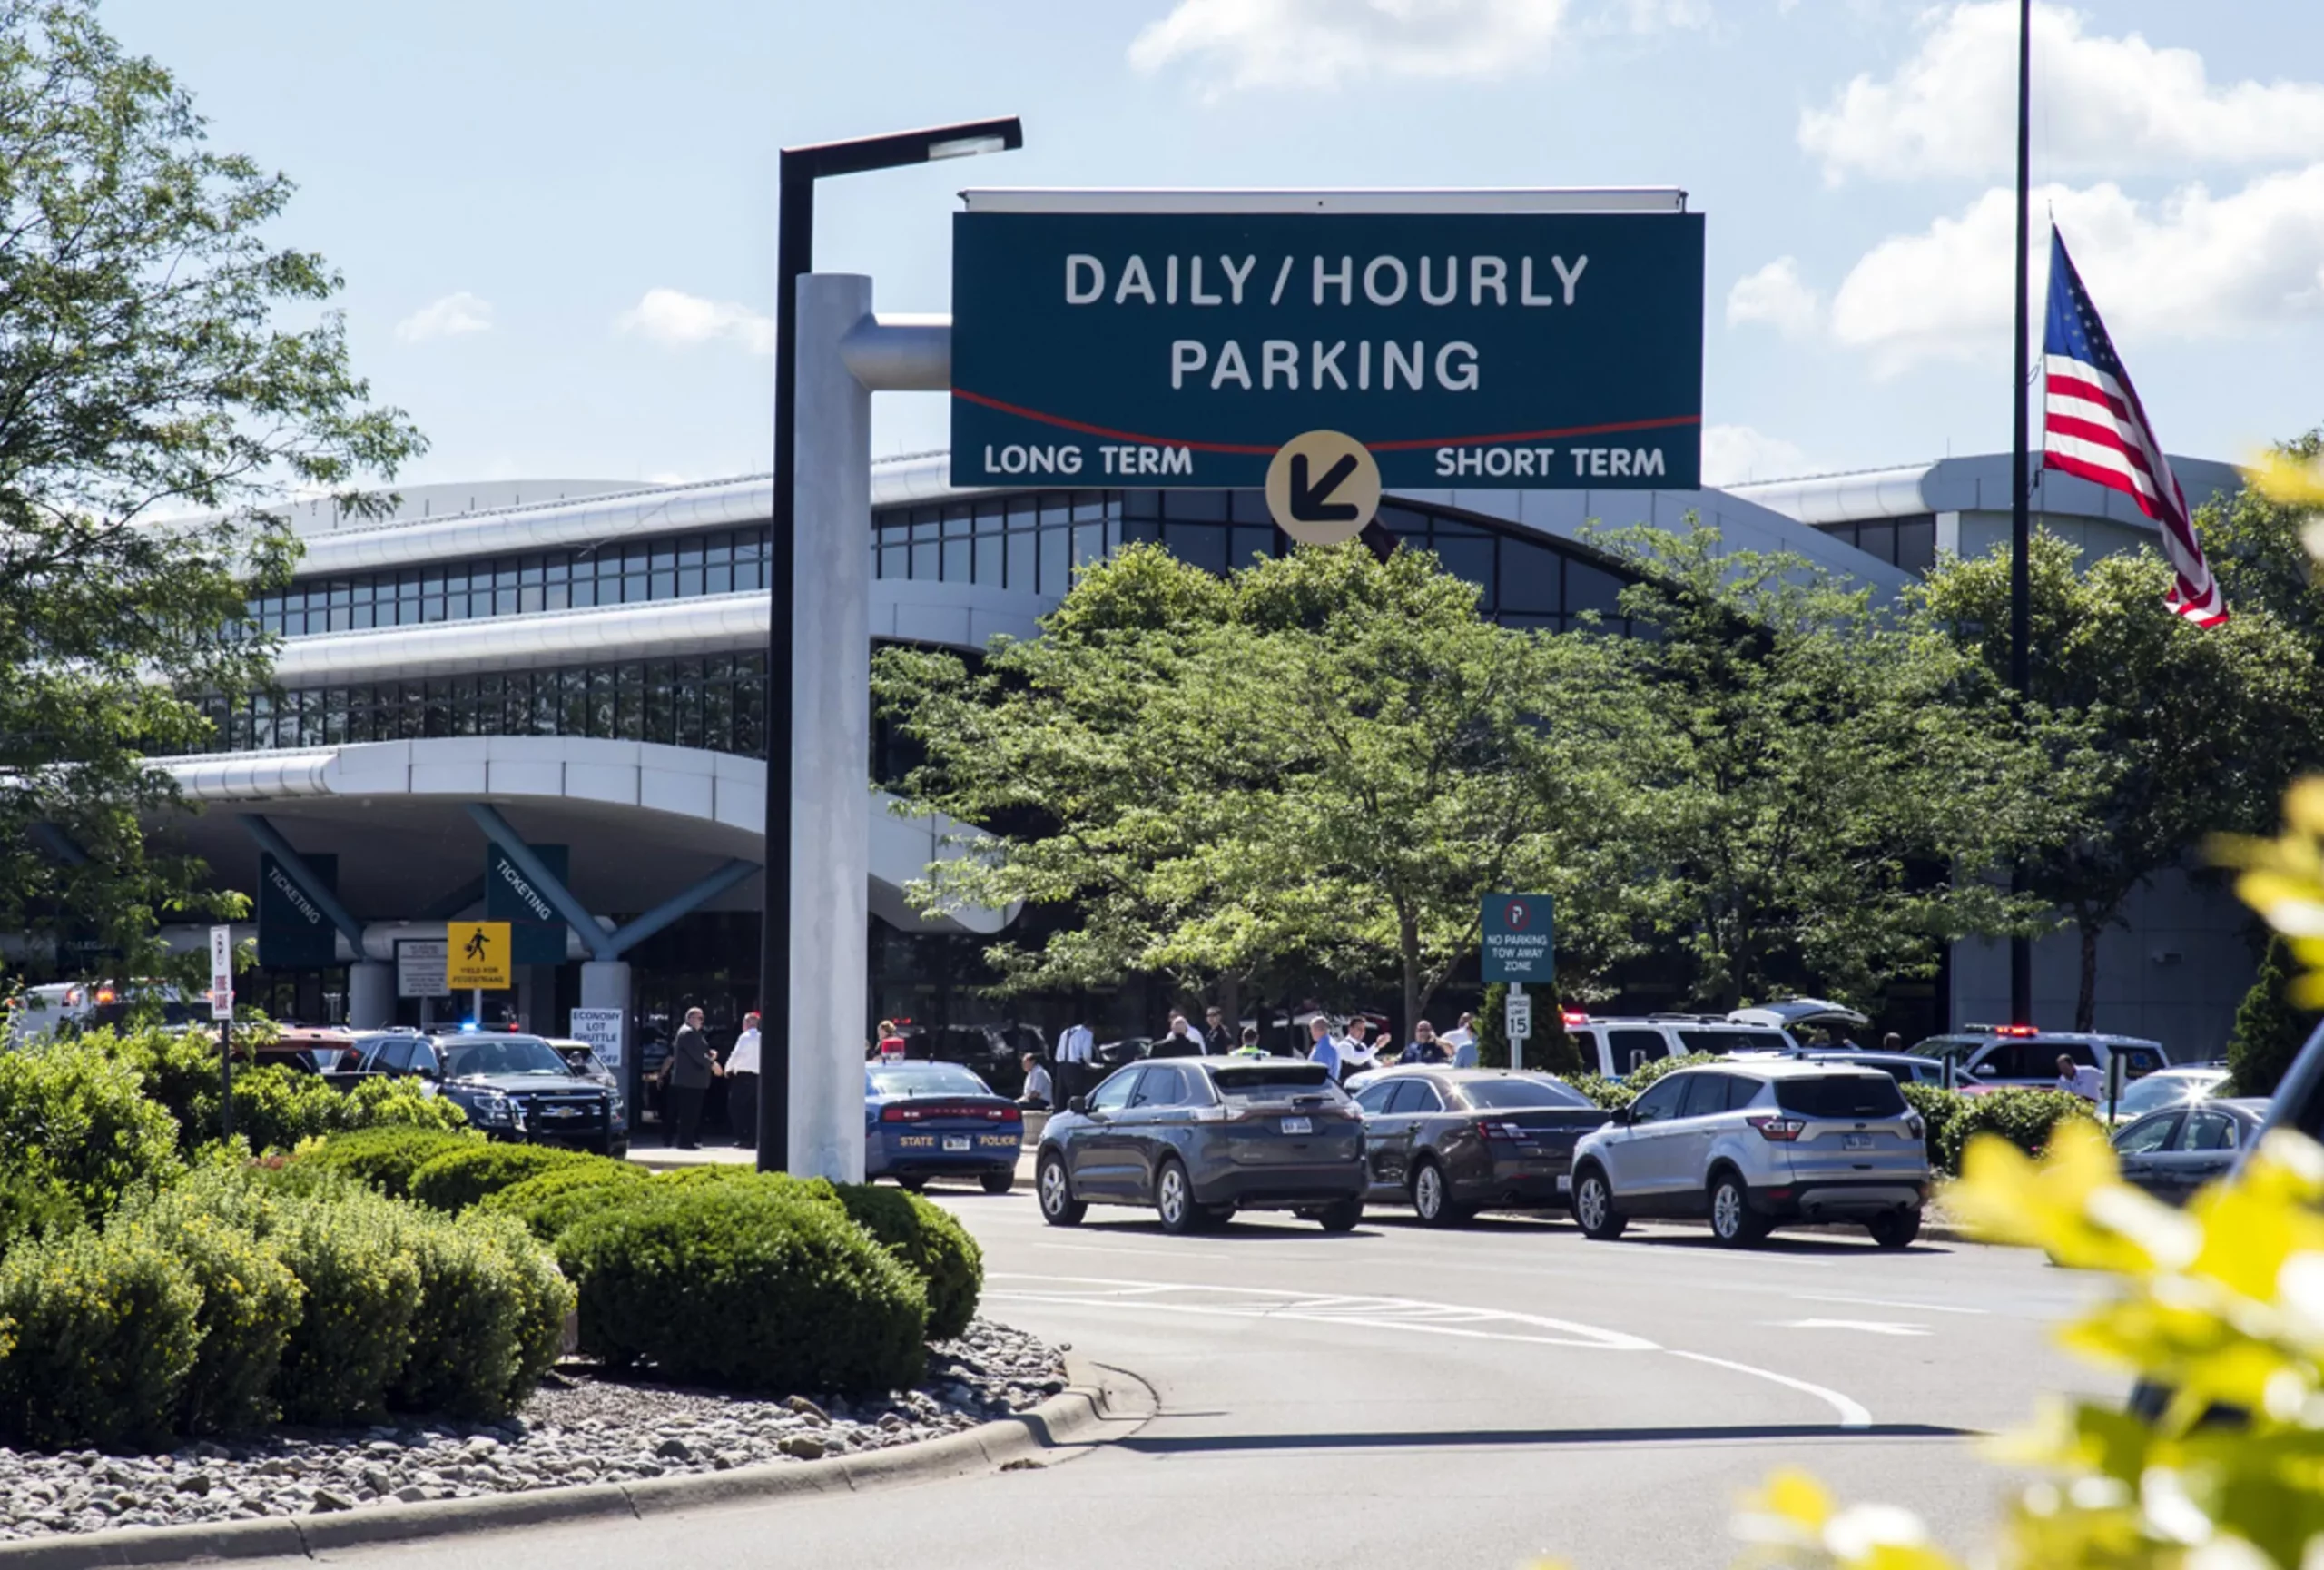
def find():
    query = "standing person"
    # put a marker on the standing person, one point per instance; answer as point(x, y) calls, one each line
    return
point(1215, 1036)
point(1321, 1048)
point(1462, 1041)
point(892, 1045)
point(1250, 1047)
point(1181, 1043)
point(1038, 1088)
point(1424, 1048)
point(1892, 1042)
point(692, 1067)
point(743, 1085)
point(1077, 1058)
point(1356, 1054)
point(2079, 1080)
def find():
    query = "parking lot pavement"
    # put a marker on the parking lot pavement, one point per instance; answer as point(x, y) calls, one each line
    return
point(1488, 1395)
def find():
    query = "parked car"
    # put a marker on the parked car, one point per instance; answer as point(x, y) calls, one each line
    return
point(2174, 1152)
point(1835, 1023)
point(1451, 1141)
point(923, 1121)
point(67, 1007)
point(1613, 1047)
point(2170, 1088)
point(513, 1087)
point(1757, 1143)
point(581, 1059)
point(1988, 1057)
point(1901, 1067)
point(1200, 1138)
point(994, 1053)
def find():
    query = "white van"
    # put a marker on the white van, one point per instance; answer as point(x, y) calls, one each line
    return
point(1613, 1047)
point(41, 1013)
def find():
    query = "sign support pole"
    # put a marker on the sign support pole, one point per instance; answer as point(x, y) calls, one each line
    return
point(1518, 1010)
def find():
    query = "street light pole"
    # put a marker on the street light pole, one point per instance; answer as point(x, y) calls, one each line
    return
point(795, 179)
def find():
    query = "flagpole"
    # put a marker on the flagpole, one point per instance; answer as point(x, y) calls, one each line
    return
point(2021, 527)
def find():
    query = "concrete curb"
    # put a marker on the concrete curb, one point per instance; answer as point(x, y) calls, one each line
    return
point(1092, 1410)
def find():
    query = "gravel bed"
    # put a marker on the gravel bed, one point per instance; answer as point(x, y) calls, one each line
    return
point(582, 1426)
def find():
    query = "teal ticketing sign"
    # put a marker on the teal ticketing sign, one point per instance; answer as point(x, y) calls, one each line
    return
point(294, 933)
point(1463, 349)
point(535, 931)
point(1520, 940)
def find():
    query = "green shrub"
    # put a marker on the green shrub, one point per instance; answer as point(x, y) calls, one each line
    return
point(459, 1178)
point(2024, 1115)
point(935, 1246)
point(100, 1335)
point(488, 1302)
point(363, 1292)
point(386, 1157)
point(550, 1201)
point(2268, 1030)
point(737, 1285)
point(33, 1207)
point(815, 1190)
point(1612, 1094)
point(386, 1101)
point(250, 1309)
point(73, 1116)
point(180, 1070)
point(1940, 1110)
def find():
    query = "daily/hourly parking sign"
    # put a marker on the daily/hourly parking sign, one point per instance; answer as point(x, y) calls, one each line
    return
point(1485, 339)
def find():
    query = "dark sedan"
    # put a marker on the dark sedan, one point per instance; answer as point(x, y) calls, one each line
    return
point(1200, 1138)
point(2174, 1152)
point(1451, 1141)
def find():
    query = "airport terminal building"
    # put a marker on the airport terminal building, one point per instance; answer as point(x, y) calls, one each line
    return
point(546, 700)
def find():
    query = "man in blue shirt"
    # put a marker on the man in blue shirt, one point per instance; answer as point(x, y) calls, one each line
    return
point(1321, 1048)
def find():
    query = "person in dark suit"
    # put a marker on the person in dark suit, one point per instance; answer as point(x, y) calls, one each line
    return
point(1181, 1043)
point(692, 1067)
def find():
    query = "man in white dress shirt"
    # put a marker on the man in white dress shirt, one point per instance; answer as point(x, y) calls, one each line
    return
point(1076, 1060)
point(743, 1085)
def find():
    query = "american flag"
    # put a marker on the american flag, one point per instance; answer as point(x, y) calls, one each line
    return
point(2093, 426)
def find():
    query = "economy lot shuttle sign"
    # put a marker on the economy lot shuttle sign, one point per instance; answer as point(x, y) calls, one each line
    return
point(1466, 340)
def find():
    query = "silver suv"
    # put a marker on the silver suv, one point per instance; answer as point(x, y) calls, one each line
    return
point(1754, 1143)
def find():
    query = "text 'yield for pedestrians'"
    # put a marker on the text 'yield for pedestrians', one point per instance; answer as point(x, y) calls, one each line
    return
point(1468, 341)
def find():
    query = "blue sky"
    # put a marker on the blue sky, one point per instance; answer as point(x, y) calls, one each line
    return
point(557, 220)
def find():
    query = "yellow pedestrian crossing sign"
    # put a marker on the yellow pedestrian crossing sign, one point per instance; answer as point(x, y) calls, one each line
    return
point(476, 956)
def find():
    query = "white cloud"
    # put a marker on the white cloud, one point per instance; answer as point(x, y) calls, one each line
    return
point(1661, 15)
point(2194, 265)
point(1324, 42)
point(674, 316)
point(1735, 453)
point(447, 318)
point(2102, 106)
point(1775, 296)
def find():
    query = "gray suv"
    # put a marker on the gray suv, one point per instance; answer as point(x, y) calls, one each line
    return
point(1199, 1137)
point(1754, 1143)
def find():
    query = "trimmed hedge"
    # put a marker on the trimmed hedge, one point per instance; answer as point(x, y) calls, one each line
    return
point(1940, 1110)
point(1610, 1094)
point(33, 1207)
point(1653, 1069)
point(550, 1201)
point(742, 1286)
point(251, 1305)
point(74, 1119)
point(363, 1292)
point(2024, 1115)
point(931, 1243)
point(275, 1108)
point(385, 1158)
point(489, 1320)
point(98, 1335)
point(459, 1178)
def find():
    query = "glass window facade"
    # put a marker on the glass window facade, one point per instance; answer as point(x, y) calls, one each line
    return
point(1908, 542)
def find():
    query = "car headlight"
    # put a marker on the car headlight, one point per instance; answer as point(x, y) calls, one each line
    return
point(497, 1110)
point(617, 1108)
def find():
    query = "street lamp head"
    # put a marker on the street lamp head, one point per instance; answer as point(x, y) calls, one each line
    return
point(967, 147)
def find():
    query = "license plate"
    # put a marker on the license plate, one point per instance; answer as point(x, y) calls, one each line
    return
point(1855, 1141)
point(1298, 1126)
point(956, 1142)
point(1565, 1183)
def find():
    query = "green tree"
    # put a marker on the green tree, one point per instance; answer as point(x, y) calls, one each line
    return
point(1834, 784)
point(1323, 762)
point(2175, 731)
point(143, 376)
point(2268, 1030)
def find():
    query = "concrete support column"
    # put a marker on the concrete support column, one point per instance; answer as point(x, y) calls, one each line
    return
point(604, 984)
point(831, 816)
point(370, 996)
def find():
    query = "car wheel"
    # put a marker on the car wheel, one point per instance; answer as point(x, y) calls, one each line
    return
point(1432, 1197)
point(1897, 1230)
point(1058, 1207)
point(998, 1182)
point(1593, 1207)
point(1731, 1221)
point(1173, 1199)
point(1339, 1217)
point(1216, 1216)
point(912, 1185)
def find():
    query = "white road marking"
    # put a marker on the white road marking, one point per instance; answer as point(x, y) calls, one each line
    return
point(1145, 1253)
point(1406, 1316)
point(1852, 1416)
point(1889, 1303)
point(1870, 1327)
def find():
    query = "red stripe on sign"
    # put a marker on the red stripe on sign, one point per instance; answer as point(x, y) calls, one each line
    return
point(1611, 429)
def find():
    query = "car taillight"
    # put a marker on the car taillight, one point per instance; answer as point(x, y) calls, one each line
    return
point(1492, 1130)
point(1007, 1114)
point(1781, 1130)
point(1914, 1127)
point(900, 1114)
point(1227, 1112)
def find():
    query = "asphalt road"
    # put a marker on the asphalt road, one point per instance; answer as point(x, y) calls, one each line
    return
point(1401, 1396)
